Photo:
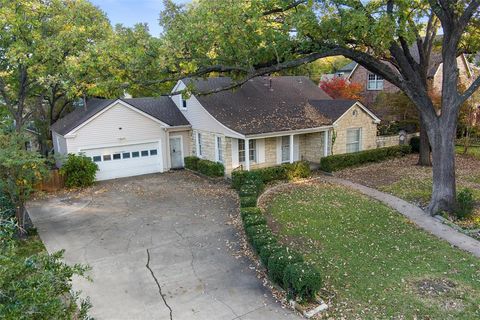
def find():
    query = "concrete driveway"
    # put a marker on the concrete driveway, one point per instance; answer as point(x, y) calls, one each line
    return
point(160, 247)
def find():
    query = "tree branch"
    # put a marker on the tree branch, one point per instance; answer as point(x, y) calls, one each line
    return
point(292, 5)
point(471, 90)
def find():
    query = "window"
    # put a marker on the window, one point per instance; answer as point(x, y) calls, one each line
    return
point(107, 157)
point(144, 153)
point(97, 158)
point(218, 145)
point(184, 104)
point(199, 144)
point(375, 82)
point(117, 156)
point(286, 149)
point(153, 152)
point(251, 150)
point(353, 140)
point(135, 154)
point(126, 155)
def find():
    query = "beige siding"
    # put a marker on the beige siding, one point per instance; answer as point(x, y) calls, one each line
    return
point(349, 121)
point(119, 125)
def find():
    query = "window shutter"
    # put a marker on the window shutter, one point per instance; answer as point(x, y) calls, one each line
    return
point(296, 148)
point(235, 162)
point(279, 150)
point(260, 150)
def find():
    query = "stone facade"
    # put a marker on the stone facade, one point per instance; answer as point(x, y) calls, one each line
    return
point(355, 118)
point(390, 141)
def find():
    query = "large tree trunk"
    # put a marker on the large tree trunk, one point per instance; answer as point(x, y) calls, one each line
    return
point(424, 154)
point(442, 139)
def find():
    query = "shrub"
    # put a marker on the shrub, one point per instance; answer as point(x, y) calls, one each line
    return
point(253, 220)
point(341, 161)
point(242, 177)
point(278, 261)
point(297, 170)
point(253, 231)
point(249, 190)
point(272, 173)
point(302, 280)
point(415, 144)
point(79, 171)
point(248, 202)
point(191, 162)
point(267, 250)
point(465, 203)
point(210, 168)
point(261, 240)
point(250, 211)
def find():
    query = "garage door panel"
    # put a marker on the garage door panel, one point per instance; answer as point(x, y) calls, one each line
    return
point(126, 160)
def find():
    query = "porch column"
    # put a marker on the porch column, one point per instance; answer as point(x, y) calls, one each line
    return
point(247, 154)
point(325, 143)
point(291, 148)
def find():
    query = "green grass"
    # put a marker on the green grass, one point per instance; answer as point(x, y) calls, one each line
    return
point(472, 151)
point(372, 258)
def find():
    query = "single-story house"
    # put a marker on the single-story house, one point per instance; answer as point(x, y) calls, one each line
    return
point(265, 122)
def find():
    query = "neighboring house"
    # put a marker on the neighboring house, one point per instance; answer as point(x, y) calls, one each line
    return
point(343, 72)
point(272, 120)
point(375, 84)
point(125, 137)
point(264, 122)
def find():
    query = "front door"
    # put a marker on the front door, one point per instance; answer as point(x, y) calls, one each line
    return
point(176, 156)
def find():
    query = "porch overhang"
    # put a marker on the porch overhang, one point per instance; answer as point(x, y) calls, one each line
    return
point(288, 132)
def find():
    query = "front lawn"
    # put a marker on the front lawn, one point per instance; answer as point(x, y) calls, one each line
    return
point(471, 151)
point(404, 179)
point(374, 262)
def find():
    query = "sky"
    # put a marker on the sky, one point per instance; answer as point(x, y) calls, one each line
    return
point(130, 12)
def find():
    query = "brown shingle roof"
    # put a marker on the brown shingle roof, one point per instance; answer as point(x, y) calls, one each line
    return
point(161, 108)
point(263, 104)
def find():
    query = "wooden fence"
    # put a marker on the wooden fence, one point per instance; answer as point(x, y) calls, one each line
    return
point(53, 182)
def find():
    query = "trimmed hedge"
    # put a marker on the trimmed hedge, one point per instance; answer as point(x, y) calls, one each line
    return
point(297, 170)
point(210, 168)
point(258, 177)
point(261, 240)
point(342, 161)
point(253, 220)
point(302, 280)
point(79, 171)
point(278, 261)
point(267, 250)
point(248, 201)
point(250, 211)
point(253, 231)
point(191, 162)
point(249, 190)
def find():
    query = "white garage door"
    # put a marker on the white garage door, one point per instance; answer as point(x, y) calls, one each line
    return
point(126, 161)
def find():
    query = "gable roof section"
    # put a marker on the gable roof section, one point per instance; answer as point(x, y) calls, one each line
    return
point(263, 104)
point(335, 109)
point(161, 108)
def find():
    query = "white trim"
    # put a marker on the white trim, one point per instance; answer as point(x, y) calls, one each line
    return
point(325, 142)
point(286, 133)
point(121, 102)
point(361, 106)
point(353, 70)
point(181, 146)
point(198, 145)
point(217, 149)
point(290, 148)
point(247, 154)
point(110, 145)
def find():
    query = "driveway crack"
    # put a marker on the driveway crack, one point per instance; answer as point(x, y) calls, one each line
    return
point(158, 285)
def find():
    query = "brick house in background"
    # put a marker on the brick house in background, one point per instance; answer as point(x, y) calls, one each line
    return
point(374, 84)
